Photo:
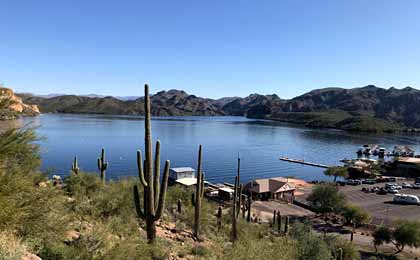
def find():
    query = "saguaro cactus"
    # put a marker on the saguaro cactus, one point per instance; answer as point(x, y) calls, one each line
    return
point(154, 198)
point(219, 218)
point(102, 165)
point(248, 207)
point(75, 167)
point(236, 196)
point(286, 225)
point(199, 194)
point(274, 218)
point(179, 206)
point(278, 222)
point(340, 254)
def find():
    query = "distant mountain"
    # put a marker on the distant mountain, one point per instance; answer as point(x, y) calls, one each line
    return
point(367, 108)
point(165, 103)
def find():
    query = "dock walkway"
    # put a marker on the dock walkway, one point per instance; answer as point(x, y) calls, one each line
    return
point(303, 162)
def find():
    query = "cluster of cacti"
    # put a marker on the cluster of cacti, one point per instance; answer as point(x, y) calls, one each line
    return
point(154, 196)
point(199, 194)
point(237, 192)
point(277, 219)
point(75, 167)
point(102, 165)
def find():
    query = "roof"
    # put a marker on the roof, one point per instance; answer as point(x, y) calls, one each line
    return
point(408, 160)
point(183, 169)
point(187, 181)
point(269, 185)
point(226, 189)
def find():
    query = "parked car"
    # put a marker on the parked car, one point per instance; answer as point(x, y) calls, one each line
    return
point(392, 191)
point(406, 199)
point(382, 191)
point(369, 181)
point(406, 185)
point(416, 186)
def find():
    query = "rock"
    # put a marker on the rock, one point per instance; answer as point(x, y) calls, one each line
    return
point(30, 256)
point(17, 104)
point(71, 236)
point(43, 184)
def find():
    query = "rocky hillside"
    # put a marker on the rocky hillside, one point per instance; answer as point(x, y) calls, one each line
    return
point(12, 106)
point(165, 103)
point(367, 108)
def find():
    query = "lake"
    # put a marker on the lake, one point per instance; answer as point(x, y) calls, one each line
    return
point(259, 144)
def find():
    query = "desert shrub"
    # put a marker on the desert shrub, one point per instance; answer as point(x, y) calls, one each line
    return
point(336, 243)
point(11, 247)
point(19, 150)
point(309, 245)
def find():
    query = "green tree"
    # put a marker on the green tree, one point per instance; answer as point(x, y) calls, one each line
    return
point(381, 235)
point(337, 171)
point(355, 215)
point(406, 233)
point(326, 198)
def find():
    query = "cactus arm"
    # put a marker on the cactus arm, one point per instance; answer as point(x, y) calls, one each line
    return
point(202, 185)
point(74, 166)
point(140, 169)
point(137, 204)
point(162, 195)
point(156, 175)
point(99, 164)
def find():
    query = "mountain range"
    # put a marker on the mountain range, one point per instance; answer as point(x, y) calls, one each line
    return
point(368, 108)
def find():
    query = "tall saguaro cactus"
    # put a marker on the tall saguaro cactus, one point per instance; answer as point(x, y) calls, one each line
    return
point(102, 165)
point(75, 167)
point(236, 199)
point(199, 193)
point(154, 196)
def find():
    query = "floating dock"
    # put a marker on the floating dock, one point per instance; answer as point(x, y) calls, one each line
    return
point(303, 162)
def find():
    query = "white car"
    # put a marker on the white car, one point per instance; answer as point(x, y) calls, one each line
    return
point(416, 186)
point(407, 185)
point(406, 199)
point(393, 191)
point(398, 187)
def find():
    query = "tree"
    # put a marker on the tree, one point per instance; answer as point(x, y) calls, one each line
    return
point(406, 233)
point(326, 198)
point(337, 171)
point(381, 235)
point(355, 215)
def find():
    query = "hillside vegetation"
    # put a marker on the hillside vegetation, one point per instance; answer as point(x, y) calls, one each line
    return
point(84, 217)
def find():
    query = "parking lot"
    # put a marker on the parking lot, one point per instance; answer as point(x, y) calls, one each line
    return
point(381, 207)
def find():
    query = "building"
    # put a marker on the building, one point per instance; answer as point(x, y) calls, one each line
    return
point(407, 163)
point(181, 173)
point(271, 188)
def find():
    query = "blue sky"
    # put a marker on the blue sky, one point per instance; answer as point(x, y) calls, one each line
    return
point(208, 48)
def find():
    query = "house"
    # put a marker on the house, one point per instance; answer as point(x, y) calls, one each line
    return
point(271, 188)
point(407, 163)
point(181, 173)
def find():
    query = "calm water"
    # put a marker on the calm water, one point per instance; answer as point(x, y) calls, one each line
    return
point(259, 144)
